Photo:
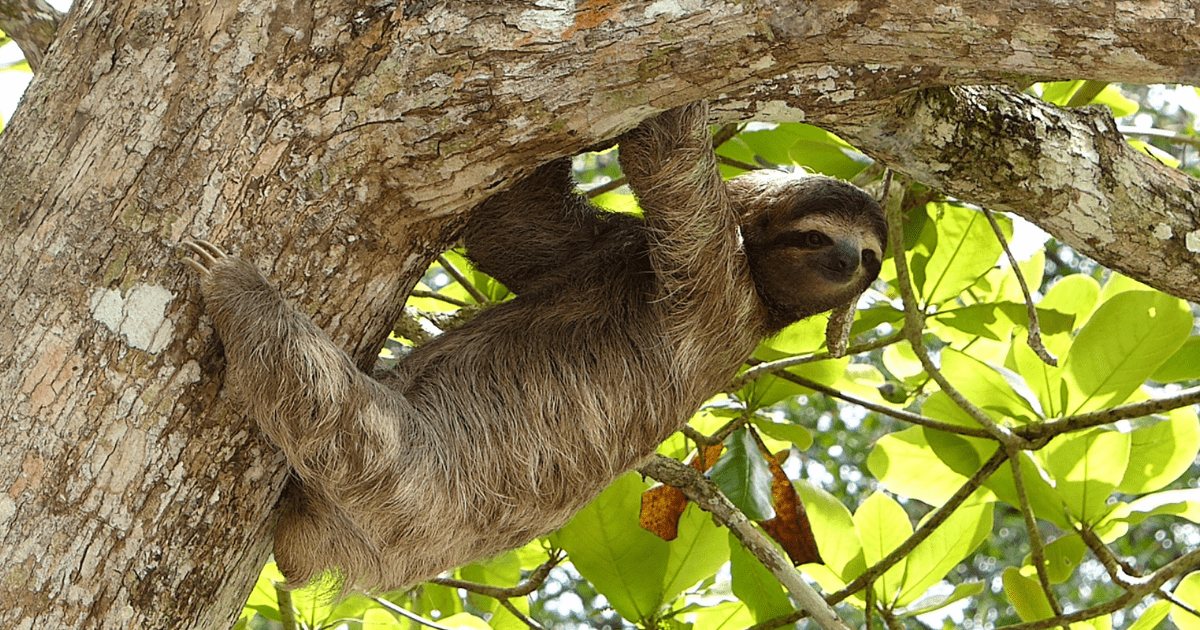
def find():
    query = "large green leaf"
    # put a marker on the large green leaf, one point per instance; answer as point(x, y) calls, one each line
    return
point(607, 546)
point(992, 388)
point(966, 249)
point(1045, 500)
point(700, 549)
point(1181, 503)
point(1062, 556)
point(754, 585)
point(744, 476)
point(948, 545)
point(1124, 342)
point(1161, 452)
point(882, 526)
point(830, 522)
point(1086, 468)
point(1026, 596)
point(1184, 365)
point(907, 465)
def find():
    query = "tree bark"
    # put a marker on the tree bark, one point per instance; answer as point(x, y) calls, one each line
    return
point(338, 146)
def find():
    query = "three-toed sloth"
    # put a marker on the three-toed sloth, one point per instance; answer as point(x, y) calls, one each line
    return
point(501, 430)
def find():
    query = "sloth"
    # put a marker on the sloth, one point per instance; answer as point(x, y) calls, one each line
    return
point(499, 431)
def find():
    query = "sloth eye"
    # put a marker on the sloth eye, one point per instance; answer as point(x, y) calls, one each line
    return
point(812, 238)
point(868, 256)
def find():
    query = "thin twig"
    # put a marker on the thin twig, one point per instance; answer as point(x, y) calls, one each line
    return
point(530, 584)
point(508, 605)
point(1170, 597)
point(708, 496)
point(762, 368)
point(1166, 134)
point(1035, 329)
point(745, 166)
point(914, 324)
point(1090, 419)
point(434, 295)
point(461, 279)
point(1146, 586)
point(899, 414)
point(608, 186)
point(726, 133)
point(869, 595)
point(407, 614)
point(1035, 536)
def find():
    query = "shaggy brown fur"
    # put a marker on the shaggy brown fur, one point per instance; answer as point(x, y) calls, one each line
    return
point(499, 431)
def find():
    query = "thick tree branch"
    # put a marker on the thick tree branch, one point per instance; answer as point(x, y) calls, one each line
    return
point(33, 25)
point(1068, 171)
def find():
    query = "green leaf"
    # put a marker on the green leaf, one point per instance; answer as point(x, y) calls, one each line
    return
point(1026, 596)
point(882, 526)
point(1152, 616)
point(800, 436)
point(966, 250)
point(935, 602)
point(700, 549)
point(1124, 342)
point(1062, 556)
point(724, 616)
point(744, 476)
point(607, 546)
point(1181, 503)
point(1158, 154)
point(830, 522)
point(754, 585)
point(1045, 500)
point(907, 465)
point(1188, 592)
point(947, 546)
point(1184, 365)
point(1086, 468)
point(1073, 295)
point(1160, 453)
point(991, 388)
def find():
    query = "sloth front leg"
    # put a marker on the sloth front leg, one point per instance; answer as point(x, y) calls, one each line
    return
point(304, 391)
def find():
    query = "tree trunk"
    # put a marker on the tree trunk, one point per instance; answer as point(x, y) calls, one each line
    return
point(338, 146)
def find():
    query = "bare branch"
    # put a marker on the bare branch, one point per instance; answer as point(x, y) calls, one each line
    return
point(1035, 329)
point(899, 414)
point(1107, 416)
point(531, 583)
point(461, 279)
point(914, 324)
point(762, 368)
point(1146, 586)
point(1035, 536)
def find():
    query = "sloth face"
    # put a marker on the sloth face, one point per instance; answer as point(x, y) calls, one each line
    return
point(813, 242)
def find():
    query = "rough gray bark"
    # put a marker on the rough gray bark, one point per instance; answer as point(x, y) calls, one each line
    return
point(338, 145)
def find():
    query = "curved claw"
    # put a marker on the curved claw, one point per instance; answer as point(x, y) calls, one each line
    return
point(209, 255)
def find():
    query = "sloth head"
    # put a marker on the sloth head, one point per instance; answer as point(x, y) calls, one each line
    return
point(813, 242)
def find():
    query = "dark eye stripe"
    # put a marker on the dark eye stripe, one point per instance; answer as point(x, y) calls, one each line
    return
point(804, 239)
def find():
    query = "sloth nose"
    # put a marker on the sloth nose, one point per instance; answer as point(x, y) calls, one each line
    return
point(842, 261)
